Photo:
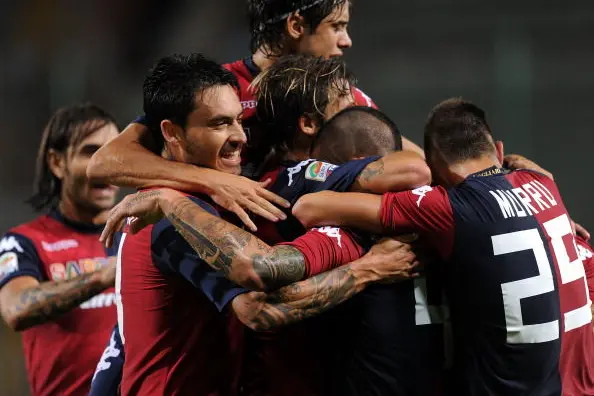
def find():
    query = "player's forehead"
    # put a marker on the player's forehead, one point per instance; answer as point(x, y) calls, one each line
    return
point(340, 13)
point(93, 133)
point(219, 100)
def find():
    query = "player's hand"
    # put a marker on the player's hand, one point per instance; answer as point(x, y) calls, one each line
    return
point(580, 230)
point(516, 161)
point(239, 194)
point(391, 260)
point(144, 209)
point(107, 275)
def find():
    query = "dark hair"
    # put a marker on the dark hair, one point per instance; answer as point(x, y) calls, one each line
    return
point(68, 127)
point(458, 130)
point(267, 20)
point(171, 86)
point(293, 86)
point(357, 131)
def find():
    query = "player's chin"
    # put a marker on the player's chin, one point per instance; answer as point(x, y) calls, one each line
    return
point(229, 166)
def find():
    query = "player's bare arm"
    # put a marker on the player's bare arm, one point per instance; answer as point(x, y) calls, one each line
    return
point(242, 257)
point(357, 210)
point(116, 163)
point(516, 161)
point(24, 302)
point(388, 260)
point(397, 171)
point(409, 145)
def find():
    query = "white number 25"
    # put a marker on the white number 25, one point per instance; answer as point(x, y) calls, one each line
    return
point(513, 292)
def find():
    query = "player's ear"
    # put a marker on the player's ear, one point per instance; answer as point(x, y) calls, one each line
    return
point(295, 26)
point(499, 151)
point(171, 132)
point(56, 161)
point(309, 125)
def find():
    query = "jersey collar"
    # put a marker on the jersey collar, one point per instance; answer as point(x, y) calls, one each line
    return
point(84, 228)
point(491, 171)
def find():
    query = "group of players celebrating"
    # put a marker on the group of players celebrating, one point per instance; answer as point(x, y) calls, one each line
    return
point(371, 267)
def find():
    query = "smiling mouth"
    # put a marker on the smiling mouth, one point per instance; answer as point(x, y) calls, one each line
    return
point(231, 153)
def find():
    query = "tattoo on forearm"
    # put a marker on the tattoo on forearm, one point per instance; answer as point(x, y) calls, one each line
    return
point(371, 171)
point(49, 300)
point(225, 247)
point(308, 298)
point(283, 266)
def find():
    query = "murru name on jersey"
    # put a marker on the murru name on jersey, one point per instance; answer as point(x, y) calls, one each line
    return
point(526, 200)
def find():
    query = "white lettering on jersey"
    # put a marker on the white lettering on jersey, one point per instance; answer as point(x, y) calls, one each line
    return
point(111, 351)
point(421, 192)
point(523, 201)
point(296, 169)
point(332, 232)
point(10, 243)
point(64, 244)
point(584, 253)
point(99, 301)
point(319, 171)
point(9, 263)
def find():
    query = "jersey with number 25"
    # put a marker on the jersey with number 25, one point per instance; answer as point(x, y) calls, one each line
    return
point(516, 286)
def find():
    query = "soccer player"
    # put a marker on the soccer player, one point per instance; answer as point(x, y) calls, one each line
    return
point(278, 28)
point(169, 343)
point(515, 283)
point(55, 276)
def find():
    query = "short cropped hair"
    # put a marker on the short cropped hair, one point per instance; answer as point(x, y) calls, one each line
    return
point(267, 20)
point(355, 132)
point(171, 87)
point(458, 131)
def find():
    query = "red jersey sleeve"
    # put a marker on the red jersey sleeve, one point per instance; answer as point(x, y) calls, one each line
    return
point(362, 99)
point(426, 210)
point(587, 256)
point(326, 248)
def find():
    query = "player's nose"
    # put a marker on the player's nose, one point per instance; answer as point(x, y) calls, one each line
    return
point(345, 41)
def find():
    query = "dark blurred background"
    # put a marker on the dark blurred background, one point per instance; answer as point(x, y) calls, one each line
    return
point(529, 63)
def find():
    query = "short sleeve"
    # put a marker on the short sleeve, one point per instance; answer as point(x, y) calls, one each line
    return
point(426, 210)
point(18, 257)
point(326, 248)
point(172, 254)
point(339, 179)
point(362, 99)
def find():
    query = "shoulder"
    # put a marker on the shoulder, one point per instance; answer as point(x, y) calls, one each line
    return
point(240, 70)
point(362, 99)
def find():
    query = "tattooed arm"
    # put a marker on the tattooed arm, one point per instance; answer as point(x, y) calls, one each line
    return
point(397, 171)
point(24, 302)
point(388, 260)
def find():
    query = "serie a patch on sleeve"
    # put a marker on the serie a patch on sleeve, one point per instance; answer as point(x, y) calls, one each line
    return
point(9, 263)
point(319, 171)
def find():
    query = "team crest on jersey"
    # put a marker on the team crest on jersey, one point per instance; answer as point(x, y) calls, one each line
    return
point(319, 171)
point(421, 192)
point(9, 263)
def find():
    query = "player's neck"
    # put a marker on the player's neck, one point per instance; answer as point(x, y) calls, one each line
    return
point(262, 60)
point(460, 171)
point(77, 214)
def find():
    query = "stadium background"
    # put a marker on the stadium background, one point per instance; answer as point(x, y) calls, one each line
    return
point(529, 63)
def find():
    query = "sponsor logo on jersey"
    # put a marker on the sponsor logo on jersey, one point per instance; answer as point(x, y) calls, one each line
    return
point(10, 243)
point(64, 244)
point(249, 104)
point(319, 171)
point(421, 192)
point(332, 232)
point(72, 269)
point(99, 301)
point(9, 263)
